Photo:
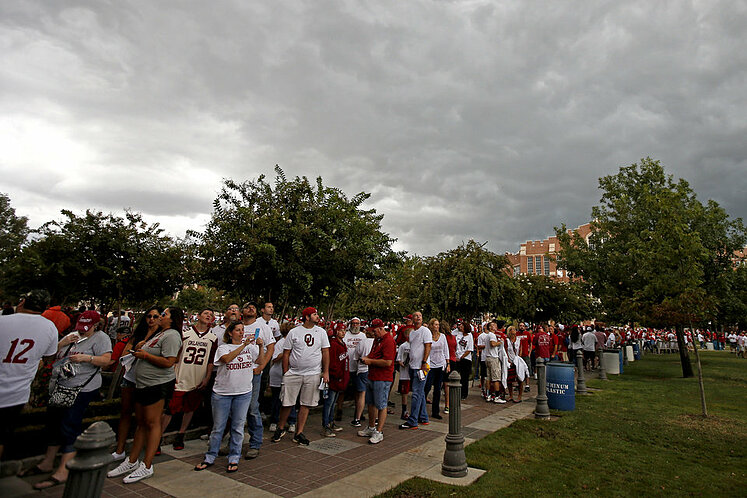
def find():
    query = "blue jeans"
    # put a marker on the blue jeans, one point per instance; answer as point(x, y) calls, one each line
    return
point(434, 379)
point(328, 410)
point(253, 418)
point(418, 411)
point(224, 406)
point(276, 404)
point(64, 425)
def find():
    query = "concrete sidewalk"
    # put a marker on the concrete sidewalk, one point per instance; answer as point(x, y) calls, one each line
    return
point(345, 465)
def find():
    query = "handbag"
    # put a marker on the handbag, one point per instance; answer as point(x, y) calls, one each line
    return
point(63, 396)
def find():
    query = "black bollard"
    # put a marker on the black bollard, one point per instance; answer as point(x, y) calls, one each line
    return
point(580, 381)
point(88, 466)
point(602, 371)
point(455, 462)
point(541, 410)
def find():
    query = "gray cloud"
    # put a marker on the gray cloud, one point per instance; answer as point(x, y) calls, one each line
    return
point(474, 119)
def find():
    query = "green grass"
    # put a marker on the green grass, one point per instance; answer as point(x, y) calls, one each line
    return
point(641, 434)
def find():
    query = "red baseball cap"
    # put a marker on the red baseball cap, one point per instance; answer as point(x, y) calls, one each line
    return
point(308, 312)
point(87, 320)
point(376, 323)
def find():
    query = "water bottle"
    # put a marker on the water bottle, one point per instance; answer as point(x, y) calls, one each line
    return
point(325, 392)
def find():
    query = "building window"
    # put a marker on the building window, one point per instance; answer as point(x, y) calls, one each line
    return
point(538, 265)
point(530, 265)
point(547, 266)
point(517, 270)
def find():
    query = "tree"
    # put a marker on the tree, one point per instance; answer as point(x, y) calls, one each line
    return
point(465, 281)
point(293, 241)
point(653, 246)
point(99, 257)
point(539, 298)
point(13, 235)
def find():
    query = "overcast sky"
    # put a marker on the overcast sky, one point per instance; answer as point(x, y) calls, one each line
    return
point(490, 120)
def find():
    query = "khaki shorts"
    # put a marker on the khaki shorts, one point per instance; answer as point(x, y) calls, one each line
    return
point(494, 369)
point(307, 386)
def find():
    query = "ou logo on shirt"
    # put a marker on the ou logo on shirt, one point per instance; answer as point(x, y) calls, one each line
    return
point(309, 340)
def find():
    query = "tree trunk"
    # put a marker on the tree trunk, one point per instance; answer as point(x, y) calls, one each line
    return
point(700, 374)
point(687, 368)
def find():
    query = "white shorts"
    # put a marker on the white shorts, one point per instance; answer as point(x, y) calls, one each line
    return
point(307, 386)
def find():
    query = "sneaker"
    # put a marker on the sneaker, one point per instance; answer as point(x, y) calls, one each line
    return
point(489, 399)
point(367, 432)
point(273, 427)
point(526, 389)
point(405, 416)
point(437, 416)
point(292, 428)
point(446, 410)
point(407, 426)
point(390, 404)
point(376, 437)
point(335, 427)
point(251, 453)
point(158, 451)
point(179, 441)
point(118, 456)
point(423, 422)
point(327, 432)
point(499, 400)
point(356, 422)
point(279, 433)
point(142, 472)
point(123, 468)
point(300, 439)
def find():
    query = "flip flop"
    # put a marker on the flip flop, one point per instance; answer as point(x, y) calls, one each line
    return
point(51, 480)
point(203, 466)
point(33, 471)
point(232, 467)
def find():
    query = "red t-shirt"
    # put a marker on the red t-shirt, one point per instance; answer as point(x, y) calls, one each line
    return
point(544, 344)
point(525, 344)
point(382, 349)
point(451, 342)
point(116, 354)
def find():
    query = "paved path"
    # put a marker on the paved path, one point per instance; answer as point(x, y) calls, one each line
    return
point(342, 466)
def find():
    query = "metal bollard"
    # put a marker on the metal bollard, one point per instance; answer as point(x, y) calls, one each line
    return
point(602, 371)
point(541, 410)
point(88, 467)
point(580, 381)
point(455, 462)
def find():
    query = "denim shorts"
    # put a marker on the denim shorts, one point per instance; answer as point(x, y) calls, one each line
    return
point(377, 393)
point(361, 381)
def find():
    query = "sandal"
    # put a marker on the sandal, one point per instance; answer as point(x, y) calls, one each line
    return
point(232, 467)
point(203, 465)
point(34, 471)
point(47, 483)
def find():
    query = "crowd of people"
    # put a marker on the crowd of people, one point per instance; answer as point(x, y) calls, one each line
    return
point(172, 364)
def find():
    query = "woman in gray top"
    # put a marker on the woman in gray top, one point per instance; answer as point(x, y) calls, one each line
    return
point(154, 384)
point(80, 356)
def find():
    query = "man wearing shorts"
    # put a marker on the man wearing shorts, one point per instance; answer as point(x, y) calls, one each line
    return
point(193, 370)
point(492, 353)
point(25, 338)
point(305, 363)
point(380, 363)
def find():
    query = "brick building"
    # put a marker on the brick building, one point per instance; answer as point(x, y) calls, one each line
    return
point(538, 256)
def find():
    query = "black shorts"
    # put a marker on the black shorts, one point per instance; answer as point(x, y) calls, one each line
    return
point(153, 394)
point(483, 369)
point(9, 418)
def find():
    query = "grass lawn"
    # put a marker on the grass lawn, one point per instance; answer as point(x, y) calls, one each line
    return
point(641, 434)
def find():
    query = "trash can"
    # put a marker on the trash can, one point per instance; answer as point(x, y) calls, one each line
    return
point(561, 388)
point(629, 352)
point(709, 346)
point(611, 359)
point(636, 351)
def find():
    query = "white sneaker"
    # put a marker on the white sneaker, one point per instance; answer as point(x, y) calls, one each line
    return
point(489, 398)
point(118, 456)
point(123, 468)
point(273, 427)
point(499, 400)
point(376, 437)
point(292, 428)
point(142, 472)
point(367, 432)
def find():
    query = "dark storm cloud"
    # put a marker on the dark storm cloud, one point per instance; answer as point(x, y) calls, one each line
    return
point(475, 119)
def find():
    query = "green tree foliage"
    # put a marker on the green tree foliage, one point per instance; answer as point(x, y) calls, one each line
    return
point(291, 241)
point(198, 297)
point(99, 257)
point(539, 298)
point(655, 251)
point(13, 235)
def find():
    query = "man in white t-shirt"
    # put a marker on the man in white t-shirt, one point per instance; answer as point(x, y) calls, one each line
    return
point(353, 336)
point(420, 350)
point(232, 314)
point(268, 309)
point(482, 343)
point(305, 364)
point(256, 328)
point(492, 354)
point(362, 348)
point(25, 338)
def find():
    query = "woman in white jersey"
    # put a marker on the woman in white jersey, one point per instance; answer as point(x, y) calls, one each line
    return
point(232, 392)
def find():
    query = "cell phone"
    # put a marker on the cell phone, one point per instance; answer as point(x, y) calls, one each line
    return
point(256, 333)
